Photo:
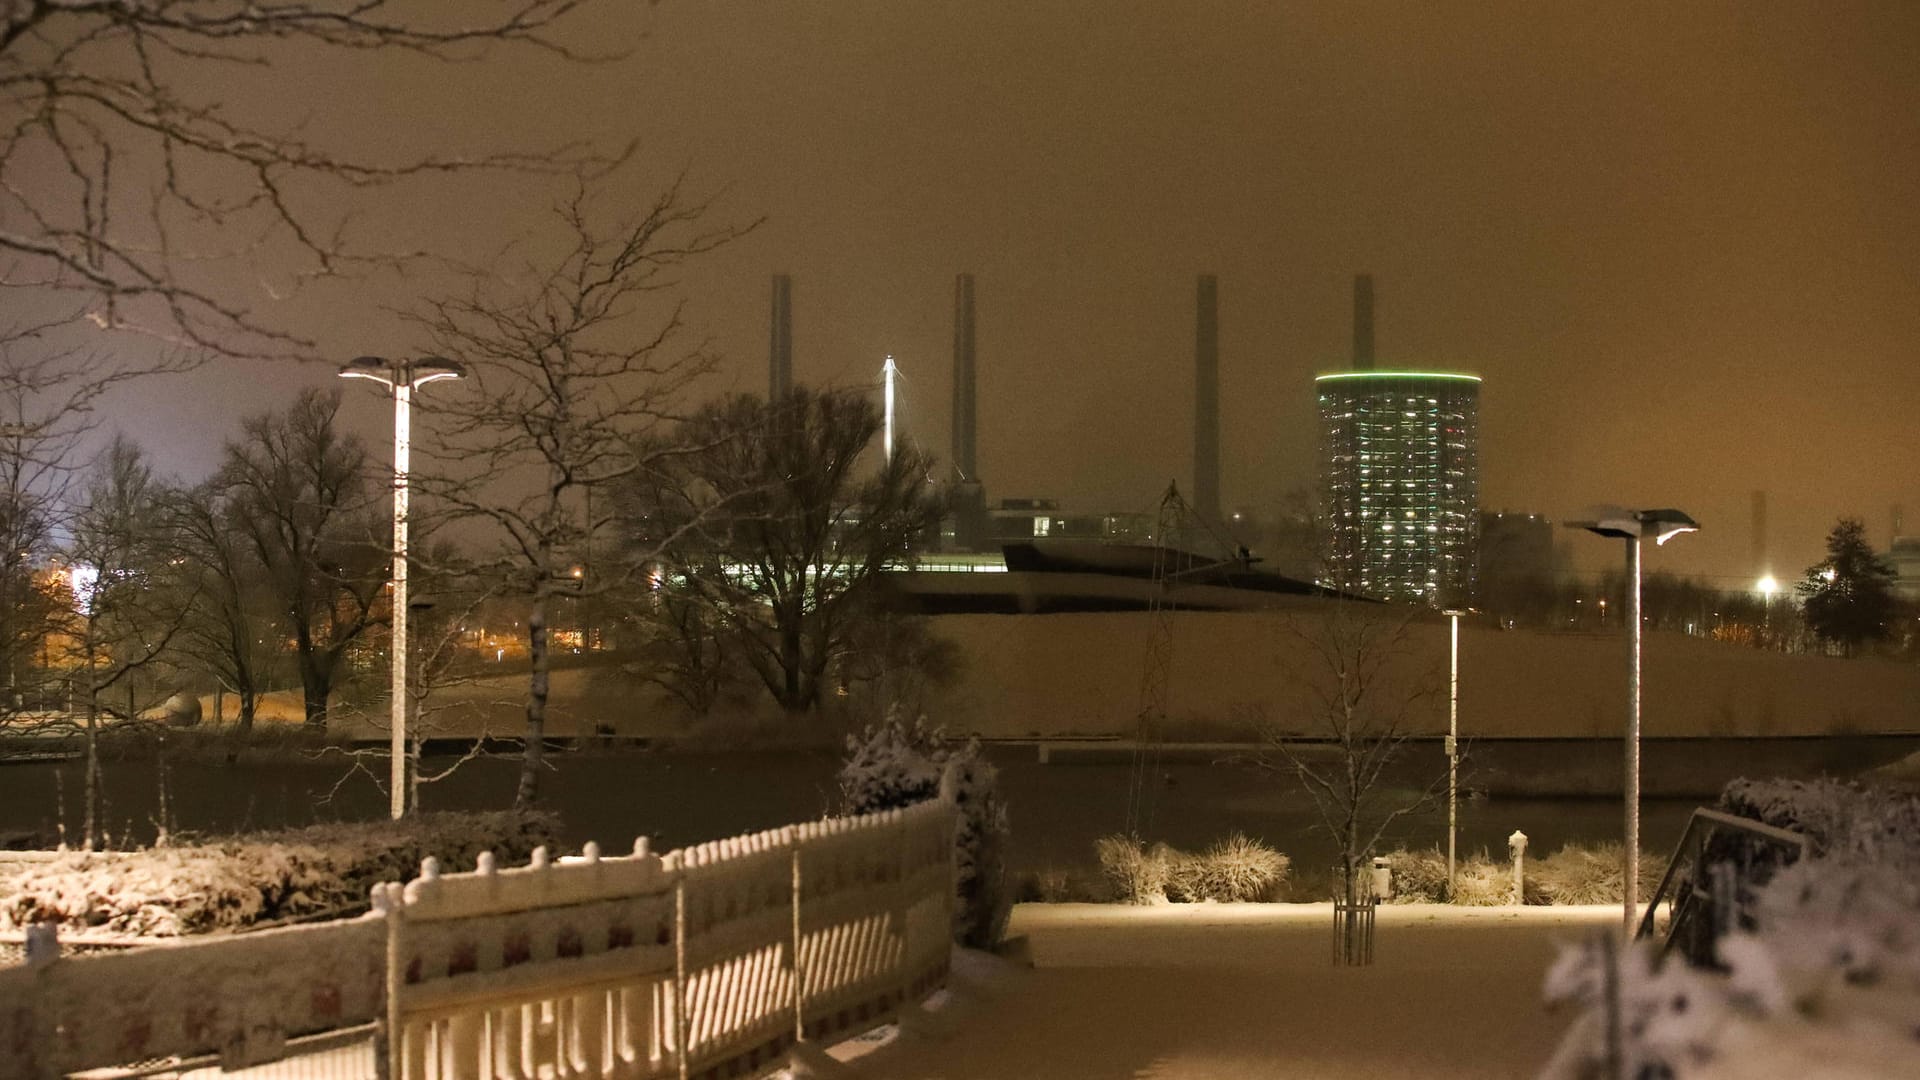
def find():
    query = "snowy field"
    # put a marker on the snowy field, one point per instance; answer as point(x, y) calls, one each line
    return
point(1206, 991)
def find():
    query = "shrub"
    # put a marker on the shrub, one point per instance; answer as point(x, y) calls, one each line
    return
point(1138, 874)
point(895, 764)
point(324, 871)
point(1420, 877)
point(1236, 869)
point(1578, 874)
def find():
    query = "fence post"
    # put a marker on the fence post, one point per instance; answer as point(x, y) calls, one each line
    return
point(388, 901)
point(680, 1025)
point(799, 972)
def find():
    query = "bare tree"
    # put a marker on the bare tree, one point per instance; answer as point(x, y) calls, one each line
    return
point(126, 620)
point(130, 183)
point(688, 649)
point(775, 522)
point(230, 630)
point(1360, 695)
point(301, 497)
point(48, 394)
point(572, 375)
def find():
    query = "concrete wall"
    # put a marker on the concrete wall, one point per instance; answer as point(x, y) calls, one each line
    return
point(1082, 673)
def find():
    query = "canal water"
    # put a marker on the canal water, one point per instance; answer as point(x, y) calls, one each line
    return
point(1557, 792)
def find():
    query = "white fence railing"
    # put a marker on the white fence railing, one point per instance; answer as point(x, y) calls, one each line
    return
point(710, 961)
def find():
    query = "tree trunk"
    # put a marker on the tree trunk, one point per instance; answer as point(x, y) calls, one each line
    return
point(793, 696)
point(90, 824)
point(529, 790)
point(248, 699)
point(315, 686)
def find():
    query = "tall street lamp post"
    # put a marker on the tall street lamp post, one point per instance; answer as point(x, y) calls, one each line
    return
point(1453, 743)
point(1634, 526)
point(402, 377)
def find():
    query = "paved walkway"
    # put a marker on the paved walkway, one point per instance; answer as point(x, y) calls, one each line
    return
point(1196, 992)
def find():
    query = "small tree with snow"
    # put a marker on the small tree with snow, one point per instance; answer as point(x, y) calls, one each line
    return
point(1356, 720)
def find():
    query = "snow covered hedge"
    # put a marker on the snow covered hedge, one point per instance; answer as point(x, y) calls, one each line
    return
point(895, 764)
point(243, 881)
point(1824, 980)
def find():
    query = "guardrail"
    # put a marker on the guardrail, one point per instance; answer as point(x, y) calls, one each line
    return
point(1719, 888)
point(710, 961)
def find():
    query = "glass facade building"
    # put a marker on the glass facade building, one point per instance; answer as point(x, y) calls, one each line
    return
point(1400, 484)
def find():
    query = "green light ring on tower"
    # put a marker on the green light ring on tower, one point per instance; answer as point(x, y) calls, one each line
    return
point(1452, 375)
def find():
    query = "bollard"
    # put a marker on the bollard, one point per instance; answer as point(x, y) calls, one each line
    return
point(43, 944)
point(1517, 847)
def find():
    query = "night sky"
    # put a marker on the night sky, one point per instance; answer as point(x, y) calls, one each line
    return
point(1682, 246)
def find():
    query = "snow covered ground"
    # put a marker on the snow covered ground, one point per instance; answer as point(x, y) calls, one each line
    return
point(1193, 991)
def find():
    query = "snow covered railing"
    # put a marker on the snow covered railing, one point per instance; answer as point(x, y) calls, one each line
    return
point(712, 961)
point(238, 998)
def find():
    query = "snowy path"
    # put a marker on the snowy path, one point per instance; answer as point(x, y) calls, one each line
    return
point(1196, 992)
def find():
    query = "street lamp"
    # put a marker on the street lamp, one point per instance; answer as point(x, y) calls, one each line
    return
point(1453, 742)
point(1768, 586)
point(402, 377)
point(1634, 526)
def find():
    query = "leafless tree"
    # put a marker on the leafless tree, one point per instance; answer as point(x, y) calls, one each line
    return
point(575, 368)
point(444, 679)
point(778, 524)
point(300, 495)
point(231, 630)
point(1360, 691)
point(48, 393)
point(131, 181)
point(688, 649)
point(127, 616)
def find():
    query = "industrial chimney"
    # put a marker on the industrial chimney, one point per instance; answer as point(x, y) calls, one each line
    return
point(1363, 322)
point(963, 405)
point(780, 354)
point(1206, 399)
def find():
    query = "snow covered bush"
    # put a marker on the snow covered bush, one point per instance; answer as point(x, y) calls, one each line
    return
point(1137, 873)
point(242, 881)
point(1821, 973)
point(1578, 874)
point(1237, 869)
point(895, 764)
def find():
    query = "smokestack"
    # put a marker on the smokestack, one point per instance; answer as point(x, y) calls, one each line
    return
point(1206, 400)
point(1897, 515)
point(780, 354)
point(963, 405)
point(1363, 322)
point(1760, 562)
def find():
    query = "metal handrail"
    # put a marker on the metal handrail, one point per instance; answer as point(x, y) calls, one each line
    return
point(1700, 825)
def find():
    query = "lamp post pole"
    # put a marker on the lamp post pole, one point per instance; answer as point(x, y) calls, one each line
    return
point(1630, 888)
point(1634, 526)
point(1453, 745)
point(402, 377)
point(888, 373)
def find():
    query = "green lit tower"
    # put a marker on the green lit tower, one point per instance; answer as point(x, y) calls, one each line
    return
point(1400, 476)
